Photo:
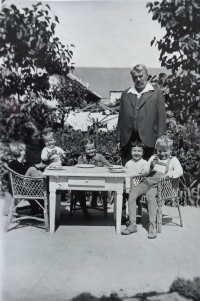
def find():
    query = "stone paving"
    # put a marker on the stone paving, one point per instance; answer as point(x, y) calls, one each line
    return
point(90, 257)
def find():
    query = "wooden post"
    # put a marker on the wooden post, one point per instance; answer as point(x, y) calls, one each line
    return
point(96, 130)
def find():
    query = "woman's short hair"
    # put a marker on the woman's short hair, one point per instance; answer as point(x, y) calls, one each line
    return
point(46, 132)
point(164, 141)
point(28, 129)
point(138, 144)
point(16, 147)
point(139, 68)
point(86, 141)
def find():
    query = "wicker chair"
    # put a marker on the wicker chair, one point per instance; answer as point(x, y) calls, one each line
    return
point(27, 188)
point(167, 191)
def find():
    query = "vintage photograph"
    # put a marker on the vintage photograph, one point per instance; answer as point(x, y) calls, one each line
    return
point(100, 150)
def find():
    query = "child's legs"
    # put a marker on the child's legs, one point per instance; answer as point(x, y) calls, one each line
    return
point(152, 203)
point(33, 172)
point(133, 195)
point(82, 199)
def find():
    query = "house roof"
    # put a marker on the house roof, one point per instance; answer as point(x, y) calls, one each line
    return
point(93, 94)
point(104, 80)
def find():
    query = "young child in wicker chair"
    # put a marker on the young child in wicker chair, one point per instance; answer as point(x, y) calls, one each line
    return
point(135, 166)
point(158, 167)
point(89, 156)
point(18, 164)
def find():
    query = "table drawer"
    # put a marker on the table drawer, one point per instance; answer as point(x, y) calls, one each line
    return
point(77, 181)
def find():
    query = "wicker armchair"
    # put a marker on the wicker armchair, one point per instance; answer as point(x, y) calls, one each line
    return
point(27, 188)
point(167, 191)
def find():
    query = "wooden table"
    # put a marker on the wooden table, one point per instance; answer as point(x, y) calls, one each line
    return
point(89, 179)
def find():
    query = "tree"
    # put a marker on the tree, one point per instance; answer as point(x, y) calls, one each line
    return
point(180, 53)
point(70, 95)
point(30, 53)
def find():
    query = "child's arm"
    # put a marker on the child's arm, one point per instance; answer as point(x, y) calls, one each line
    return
point(46, 155)
point(104, 161)
point(80, 160)
point(148, 167)
point(177, 169)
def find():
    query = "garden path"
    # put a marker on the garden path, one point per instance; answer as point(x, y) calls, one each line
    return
point(90, 257)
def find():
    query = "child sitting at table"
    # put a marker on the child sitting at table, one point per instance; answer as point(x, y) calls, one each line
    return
point(51, 154)
point(135, 166)
point(18, 164)
point(158, 167)
point(89, 156)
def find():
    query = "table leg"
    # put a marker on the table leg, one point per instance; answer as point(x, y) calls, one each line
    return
point(52, 210)
point(118, 212)
point(58, 201)
point(114, 205)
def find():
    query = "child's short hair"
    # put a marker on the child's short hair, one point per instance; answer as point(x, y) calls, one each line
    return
point(46, 132)
point(15, 148)
point(164, 141)
point(86, 141)
point(138, 144)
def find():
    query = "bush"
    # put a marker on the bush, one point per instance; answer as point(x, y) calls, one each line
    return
point(187, 288)
point(90, 297)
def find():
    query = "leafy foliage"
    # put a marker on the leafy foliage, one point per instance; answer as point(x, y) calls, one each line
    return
point(179, 52)
point(70, 95)
point(34, 69)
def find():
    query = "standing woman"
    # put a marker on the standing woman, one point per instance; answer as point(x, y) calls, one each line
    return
point(34, 145)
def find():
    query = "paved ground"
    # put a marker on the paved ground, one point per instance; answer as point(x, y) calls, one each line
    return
point(90, 256)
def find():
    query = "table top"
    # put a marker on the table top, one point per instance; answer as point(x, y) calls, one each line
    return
point(75, 171)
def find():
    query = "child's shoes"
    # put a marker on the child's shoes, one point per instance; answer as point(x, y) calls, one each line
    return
point(131, 228)
point(152, 230)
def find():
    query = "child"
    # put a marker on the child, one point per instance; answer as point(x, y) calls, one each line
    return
point(51, 154)
point(18, 150)
point(89, 156)
point(18, 164)
point(136, 164)
point(159, 166)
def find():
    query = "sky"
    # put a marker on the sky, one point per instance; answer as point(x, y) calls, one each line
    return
point(106, 33)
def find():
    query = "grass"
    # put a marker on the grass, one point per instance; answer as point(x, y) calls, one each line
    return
point(90, 297)
point(186, 288)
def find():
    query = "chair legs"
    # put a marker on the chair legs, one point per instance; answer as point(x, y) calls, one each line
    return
point(179, 211)
point(10, 215)
point(13, 209)
point(159, 219)
point(46, 215)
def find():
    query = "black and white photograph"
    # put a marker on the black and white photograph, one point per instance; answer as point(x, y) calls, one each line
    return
point(100, 150)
